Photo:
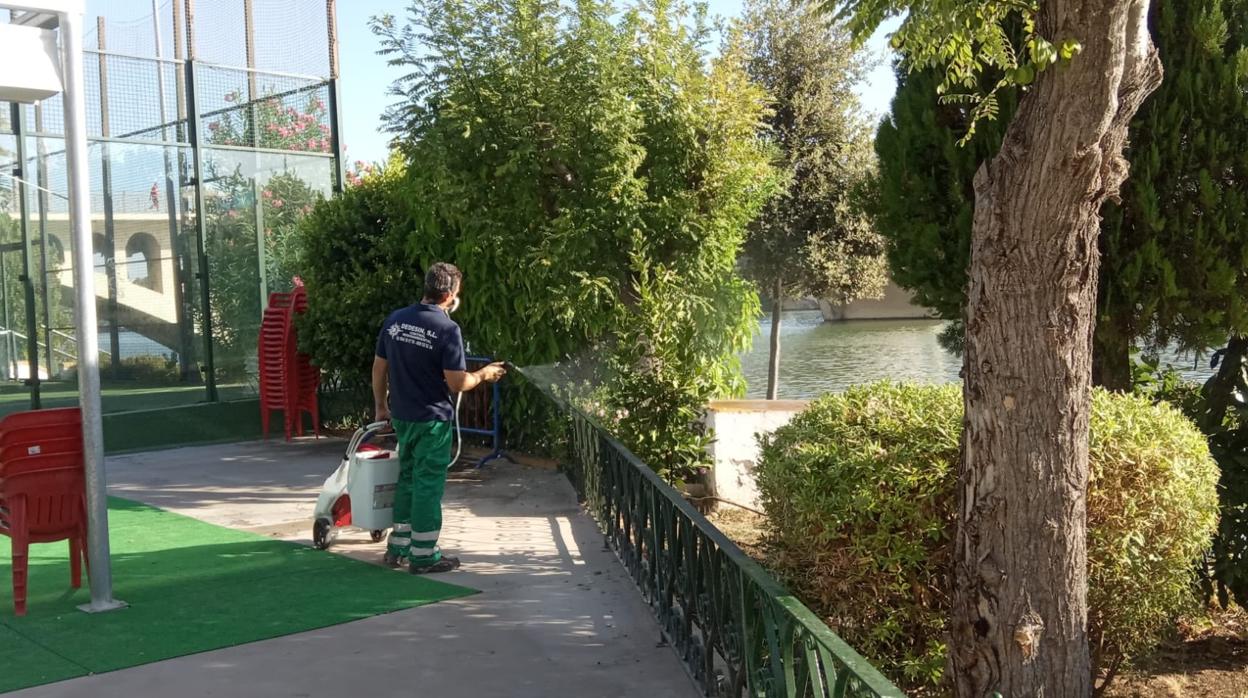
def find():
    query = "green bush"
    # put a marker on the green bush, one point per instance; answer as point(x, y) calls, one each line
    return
point(860, 495)
point(1220, 409)
point(356, 268)
point(595, 201)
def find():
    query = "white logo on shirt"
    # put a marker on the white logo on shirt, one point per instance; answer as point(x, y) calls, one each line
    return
point(411, 334)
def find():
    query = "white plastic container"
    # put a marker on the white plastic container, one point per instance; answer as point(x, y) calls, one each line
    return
point(371, 483)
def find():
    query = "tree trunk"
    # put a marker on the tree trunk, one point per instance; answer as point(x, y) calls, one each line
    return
point(1111, 357)
point(1019, 615)
point(773, 365)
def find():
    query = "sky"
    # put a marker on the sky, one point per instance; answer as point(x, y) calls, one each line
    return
point(366, 77)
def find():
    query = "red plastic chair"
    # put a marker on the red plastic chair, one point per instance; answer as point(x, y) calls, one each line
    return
point(35, 419)
point(12, 452)
point(44, 501)
point(42, 489)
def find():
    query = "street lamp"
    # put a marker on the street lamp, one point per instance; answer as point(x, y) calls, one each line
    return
point(32, 70)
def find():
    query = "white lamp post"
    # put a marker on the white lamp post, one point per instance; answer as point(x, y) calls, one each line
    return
point(31, 70)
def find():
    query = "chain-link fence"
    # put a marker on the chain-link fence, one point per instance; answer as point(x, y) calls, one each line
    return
point(207, 145)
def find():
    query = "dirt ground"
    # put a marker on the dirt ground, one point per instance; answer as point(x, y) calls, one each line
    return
point(1208, 658)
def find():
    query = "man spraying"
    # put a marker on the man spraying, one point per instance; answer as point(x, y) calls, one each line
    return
point(419, 363)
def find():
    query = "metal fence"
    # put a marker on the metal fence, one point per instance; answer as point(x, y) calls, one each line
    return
point(207, 145)
point(738, 631)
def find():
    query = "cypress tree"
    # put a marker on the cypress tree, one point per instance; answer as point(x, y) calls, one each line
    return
point(1174, 249)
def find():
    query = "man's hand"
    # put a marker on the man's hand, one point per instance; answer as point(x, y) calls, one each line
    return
point(381, 413)
point(462, 381)
point(492, 373)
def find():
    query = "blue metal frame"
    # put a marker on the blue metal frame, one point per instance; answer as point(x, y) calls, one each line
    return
point(496, 415)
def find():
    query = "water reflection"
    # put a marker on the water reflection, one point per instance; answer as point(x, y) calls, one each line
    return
point(818, 357)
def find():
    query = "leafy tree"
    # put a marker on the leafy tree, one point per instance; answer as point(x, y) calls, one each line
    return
point(1171, 250)
point(813, 239)
point(355, 264)
point(1175, 249)
point(1019, 613)
point(592, 173)
point(924, 194)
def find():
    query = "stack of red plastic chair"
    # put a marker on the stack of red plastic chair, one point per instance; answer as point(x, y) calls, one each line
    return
point(288, 381)
point(42, 489)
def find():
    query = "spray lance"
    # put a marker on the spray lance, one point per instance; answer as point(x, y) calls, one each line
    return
point(459, 434)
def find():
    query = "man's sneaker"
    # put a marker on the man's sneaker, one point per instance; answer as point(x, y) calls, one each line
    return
point(446, 564)
point(392, 560)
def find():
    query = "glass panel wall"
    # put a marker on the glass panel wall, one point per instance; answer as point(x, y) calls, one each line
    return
point(179, 290)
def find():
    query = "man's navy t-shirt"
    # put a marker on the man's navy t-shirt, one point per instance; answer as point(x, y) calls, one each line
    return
point(419, 342)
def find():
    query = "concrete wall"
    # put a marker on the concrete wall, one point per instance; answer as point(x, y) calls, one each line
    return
point(895, 305)
point(737, 425)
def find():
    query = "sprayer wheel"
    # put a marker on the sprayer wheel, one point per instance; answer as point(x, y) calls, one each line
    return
point(377, 535)
point(320, 534)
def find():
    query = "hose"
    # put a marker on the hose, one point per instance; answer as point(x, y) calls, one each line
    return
point(459, 435)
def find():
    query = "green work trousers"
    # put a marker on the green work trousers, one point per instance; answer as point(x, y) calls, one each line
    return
point(424, 458)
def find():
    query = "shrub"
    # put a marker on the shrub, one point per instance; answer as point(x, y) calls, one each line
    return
point(860, 495)
point(356, 269)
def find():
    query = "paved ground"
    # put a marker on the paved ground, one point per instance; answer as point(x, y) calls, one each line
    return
point(557, 615)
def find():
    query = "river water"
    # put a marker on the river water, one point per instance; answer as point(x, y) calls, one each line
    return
point(818, 357)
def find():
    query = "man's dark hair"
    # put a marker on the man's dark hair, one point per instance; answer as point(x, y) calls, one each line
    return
point(440, 280)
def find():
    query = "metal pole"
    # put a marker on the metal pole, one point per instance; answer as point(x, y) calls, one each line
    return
point(335, 136)
point(197, 154)
point(28, 283)
point(41, 168)
point(185, 333)
point(261, 251)
point(335, 97)
point(78, 174)
point(249, 33)
point(110, 233)
point(331, 26)
point(10, 362)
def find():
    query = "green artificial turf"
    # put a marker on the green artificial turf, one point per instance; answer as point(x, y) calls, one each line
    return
point(191, 587)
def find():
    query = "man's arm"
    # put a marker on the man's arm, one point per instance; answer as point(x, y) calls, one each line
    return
point(463, 381)
point(381, 385)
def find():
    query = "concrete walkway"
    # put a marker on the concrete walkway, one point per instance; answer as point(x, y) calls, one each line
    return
point(557, 615)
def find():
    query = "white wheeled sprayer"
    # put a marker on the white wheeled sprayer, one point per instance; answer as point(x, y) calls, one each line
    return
point(360, 493)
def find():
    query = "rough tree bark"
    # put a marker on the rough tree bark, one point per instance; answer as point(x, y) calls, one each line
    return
point(1020, 578)
point(773, 364)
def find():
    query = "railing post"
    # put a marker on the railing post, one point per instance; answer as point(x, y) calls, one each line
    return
point(768, 643)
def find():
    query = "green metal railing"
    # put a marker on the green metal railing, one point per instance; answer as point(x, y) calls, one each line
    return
point(738, 630)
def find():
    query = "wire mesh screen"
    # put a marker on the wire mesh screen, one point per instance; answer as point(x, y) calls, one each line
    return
point(290, 36)
point(262, 110)
point(130, 27)
point(130, 108)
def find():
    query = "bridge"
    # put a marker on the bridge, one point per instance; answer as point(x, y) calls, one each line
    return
point(144, 269)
